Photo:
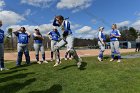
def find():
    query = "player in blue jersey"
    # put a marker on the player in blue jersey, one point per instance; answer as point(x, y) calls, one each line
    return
point(54, 36)
point(22, 46)
point(2, 67)
point(67, 38)
point(38, 46)
point(101, 43)
point(114, 43)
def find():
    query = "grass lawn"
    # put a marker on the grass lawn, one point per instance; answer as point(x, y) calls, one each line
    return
point(93, 77)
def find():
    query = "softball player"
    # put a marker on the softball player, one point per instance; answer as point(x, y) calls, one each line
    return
point(101, 43)
point(67, 38)
point(22, 46)
point(2, 67)
point(114, 43)
point(38, 46)
point(54, 36)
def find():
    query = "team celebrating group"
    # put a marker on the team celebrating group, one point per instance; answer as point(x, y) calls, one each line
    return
point(56, 43)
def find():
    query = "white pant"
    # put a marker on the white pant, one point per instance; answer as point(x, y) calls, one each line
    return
point(53, 43)
point(39, 47)
point(69, 40)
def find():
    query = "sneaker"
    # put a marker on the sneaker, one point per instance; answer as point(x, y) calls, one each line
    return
point(70, 58)
point(118, 60)
point(4, 69)
point(60, 62)
point(51, 60)
point(66, 59)
point(56, 64)
point(79, 64)
point(111, 60)
point(45, 61)
point(39, 62)
point(99, 59)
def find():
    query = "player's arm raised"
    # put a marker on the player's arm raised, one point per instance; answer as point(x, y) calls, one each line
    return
point(49, 35)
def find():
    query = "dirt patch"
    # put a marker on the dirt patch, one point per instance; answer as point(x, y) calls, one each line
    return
point(81, 53)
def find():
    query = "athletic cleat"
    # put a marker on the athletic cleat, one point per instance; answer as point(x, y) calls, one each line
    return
point(60, 62)
point(4, 69)
point(99, 59)
point(66, 59)
point(51, 60)
point(118, 60)
point(79, 64)
point(70, 58)
point(56, 64)
point(39, 62)
point(111, 60)
point(45, 61)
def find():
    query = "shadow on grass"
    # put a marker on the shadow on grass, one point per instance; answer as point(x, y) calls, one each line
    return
point(24, 65)
point(11, 71)
point(13, 77)
point(15, 87)
point(84, 64)
point(53, 89)
point(106, 57)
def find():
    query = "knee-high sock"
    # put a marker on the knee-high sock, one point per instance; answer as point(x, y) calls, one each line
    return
point(2, 62)
point(51, 54)
point(66, 55)
point(37, 57)
point(43, 56)
point(101, 54)
point(74, 54)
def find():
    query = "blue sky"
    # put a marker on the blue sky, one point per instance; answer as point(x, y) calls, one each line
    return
point(85, 15)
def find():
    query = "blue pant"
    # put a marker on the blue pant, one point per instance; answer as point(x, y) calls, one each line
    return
point(1, 55)
point(22, 48)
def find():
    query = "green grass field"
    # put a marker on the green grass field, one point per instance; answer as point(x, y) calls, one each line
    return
point(93, 77)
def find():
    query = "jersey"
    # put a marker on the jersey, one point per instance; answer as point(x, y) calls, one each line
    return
point(101, 36)
point(116, 33)
point(1, 36)
point(36, 40)
point(55, 35)
point(23, 38)
point(65, 27)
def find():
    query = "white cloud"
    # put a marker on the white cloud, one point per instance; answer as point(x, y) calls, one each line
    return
point(84, 29)
point(2, 4)
point(27, 12)
point(75, 26)
point(86, 32)
point(136, 25)
point(38, 3)
point(75, 5)
point(44, 28)
point(124, 23)
point(88, 36)
point(10, 17)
